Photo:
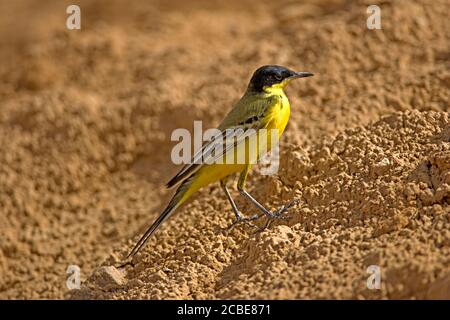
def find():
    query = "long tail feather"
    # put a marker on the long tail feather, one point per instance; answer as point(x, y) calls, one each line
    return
point(143, 240)
point(177, 200)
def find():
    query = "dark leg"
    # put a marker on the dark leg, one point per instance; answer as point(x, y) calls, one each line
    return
point(271, 215)
point(239, 217)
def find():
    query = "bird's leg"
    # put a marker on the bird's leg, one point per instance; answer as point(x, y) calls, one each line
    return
point(278, 214)
point(239, 217)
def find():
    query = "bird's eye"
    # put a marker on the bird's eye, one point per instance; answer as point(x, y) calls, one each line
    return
point(278, 77)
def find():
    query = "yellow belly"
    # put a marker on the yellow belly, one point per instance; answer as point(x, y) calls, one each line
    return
point(216, 172)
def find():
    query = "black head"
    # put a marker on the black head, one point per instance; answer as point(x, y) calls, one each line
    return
point(268, 76)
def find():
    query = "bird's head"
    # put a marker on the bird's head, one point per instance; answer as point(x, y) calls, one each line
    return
point(270, 77)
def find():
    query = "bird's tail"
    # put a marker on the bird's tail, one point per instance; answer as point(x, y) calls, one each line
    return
point(181, 195)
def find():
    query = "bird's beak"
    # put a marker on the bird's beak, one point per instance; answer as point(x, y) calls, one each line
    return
point(301, 75)
point(296, 75)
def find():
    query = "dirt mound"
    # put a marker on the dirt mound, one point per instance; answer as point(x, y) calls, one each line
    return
point(85, 137)
point(373, 196)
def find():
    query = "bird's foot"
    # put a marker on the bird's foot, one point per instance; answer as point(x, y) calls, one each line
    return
point(279, 214)
point(246, 220)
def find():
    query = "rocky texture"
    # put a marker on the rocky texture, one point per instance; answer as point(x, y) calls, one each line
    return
point(85, 149)
point(372, 196)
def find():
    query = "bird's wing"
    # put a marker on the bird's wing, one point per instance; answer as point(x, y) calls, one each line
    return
point(251, 112)
point(199, 158)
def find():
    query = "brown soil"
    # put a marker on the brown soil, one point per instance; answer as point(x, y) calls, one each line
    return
point(85, 149)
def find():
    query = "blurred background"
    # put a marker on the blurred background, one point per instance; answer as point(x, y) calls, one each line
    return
point(86, 115)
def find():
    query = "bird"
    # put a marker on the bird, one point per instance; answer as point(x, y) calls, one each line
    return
point(264, 106)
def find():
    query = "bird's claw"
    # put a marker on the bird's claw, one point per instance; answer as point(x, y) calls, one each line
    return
point(278, 214)
point(246, 220)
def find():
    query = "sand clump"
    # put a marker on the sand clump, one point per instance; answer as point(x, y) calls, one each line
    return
point(85, 138)
point(108, 277)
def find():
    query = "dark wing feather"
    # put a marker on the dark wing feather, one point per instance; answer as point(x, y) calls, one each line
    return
point(252, 111)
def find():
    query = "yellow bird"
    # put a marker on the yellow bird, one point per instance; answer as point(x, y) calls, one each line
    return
point(263, 106)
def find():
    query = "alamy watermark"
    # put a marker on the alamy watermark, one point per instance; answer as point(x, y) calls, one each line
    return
point(73, 21)
point(374, 280)
point(74, 277)
point(374, 18)
point(232, 146)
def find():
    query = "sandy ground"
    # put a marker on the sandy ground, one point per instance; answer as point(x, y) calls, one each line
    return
point(85, 127)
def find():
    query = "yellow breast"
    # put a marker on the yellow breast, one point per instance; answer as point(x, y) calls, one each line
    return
point(281, 111)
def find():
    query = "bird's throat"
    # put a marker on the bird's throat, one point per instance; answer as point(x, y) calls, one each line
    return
point(276, 89)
